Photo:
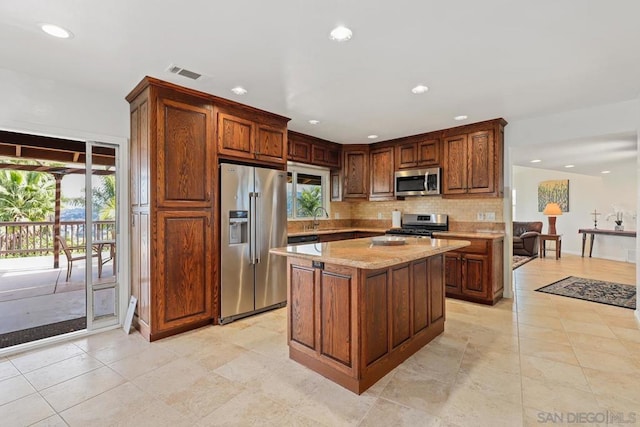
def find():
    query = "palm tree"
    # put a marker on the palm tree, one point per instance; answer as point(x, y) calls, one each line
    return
point(26, 196)
point(103, 198)
point(309, 200)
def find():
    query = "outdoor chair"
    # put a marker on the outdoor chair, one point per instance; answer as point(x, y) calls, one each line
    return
point(71, 258)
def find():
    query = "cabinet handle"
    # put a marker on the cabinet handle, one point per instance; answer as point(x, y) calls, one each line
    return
point(133, 220)
point(208, 196)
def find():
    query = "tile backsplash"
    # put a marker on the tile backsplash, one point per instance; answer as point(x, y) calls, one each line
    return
point(464, 214)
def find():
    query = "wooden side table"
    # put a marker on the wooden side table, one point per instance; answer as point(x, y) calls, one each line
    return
point(543, 247)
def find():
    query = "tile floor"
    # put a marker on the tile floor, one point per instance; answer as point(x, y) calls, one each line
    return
point(529, 361)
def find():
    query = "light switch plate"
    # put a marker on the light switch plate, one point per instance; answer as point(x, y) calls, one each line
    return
point(480, 216)
point(490, 216)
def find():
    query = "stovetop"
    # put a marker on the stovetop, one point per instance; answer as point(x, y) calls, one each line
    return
point(421, 225)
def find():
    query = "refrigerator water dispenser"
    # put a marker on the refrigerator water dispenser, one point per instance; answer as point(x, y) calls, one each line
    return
point(238, 223)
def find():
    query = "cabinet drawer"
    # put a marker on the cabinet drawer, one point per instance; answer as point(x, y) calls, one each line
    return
point(476, 247)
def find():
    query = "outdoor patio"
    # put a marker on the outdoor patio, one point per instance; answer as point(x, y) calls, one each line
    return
point(34, 294)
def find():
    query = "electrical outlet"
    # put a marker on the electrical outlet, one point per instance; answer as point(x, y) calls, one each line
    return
point(480, 216)
point(336, 215)
point(490, 216)
point(379, 215)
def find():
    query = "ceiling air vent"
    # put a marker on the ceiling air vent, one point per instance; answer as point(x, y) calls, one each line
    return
point(184, 72)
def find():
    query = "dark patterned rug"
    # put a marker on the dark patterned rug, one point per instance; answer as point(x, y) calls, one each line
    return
point(39, 332)
point(519, 260)
point(594, 290)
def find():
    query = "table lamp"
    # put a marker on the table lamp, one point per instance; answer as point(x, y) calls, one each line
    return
point(552, 210)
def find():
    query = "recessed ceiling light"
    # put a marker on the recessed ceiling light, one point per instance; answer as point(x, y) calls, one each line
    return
point(419, 89)
point(536, 161)
point(569, 166)
point(239, 90)
point(341, 34)
point(460, 118)
point(314, 122)
point(605, 172)
point(372, 136)
point(56, 31)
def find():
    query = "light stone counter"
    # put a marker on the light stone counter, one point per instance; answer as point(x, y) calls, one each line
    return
point(469, 235)
point(337, 230)
point(362, 253)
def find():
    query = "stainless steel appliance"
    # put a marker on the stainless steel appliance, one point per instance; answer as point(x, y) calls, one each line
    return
point(418, 182)
point(421, 225)
point(253, 205)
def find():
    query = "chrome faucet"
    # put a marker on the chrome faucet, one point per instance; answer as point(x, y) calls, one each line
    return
point(316, 223)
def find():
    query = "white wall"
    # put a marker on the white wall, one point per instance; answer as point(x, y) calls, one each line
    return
point(586, 193)
point(51, 108)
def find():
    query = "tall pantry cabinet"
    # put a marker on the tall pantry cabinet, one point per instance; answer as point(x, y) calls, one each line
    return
point(173, 209)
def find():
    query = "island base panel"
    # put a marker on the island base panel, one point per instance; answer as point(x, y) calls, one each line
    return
point(377, 370)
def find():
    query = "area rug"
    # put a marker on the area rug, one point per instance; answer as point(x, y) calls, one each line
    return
point(520, 260)
point(594, 290)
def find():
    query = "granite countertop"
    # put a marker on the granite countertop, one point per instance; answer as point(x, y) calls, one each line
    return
point(493, 235)
point(337, 230)
point(362, 253)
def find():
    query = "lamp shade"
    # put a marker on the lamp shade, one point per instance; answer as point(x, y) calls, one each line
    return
point(552, 209)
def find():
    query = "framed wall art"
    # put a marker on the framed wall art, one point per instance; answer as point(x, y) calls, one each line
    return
point(556, 191)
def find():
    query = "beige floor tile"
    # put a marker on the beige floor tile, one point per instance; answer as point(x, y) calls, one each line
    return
point(468, 407)
point(145, 361)
point(62, 371)
point(25, 411)
point(628, 321)
point(540, 321)
point(385, 413)
point(104, 339)
point(35, 359)
point(83, 387)
point(614, 384)
point(607, 362)
point(123, 405)
point(430, 364)
point(420, 393)
point(493, 341)
point(504, 387)
point(543, 334)
point(134, 344)
point(552, 397)
point(214, 356)
point(552, 351)
point(494, 362)
point(621, 408)
point(14, 388)
point(552, 371)
point(597, 330)
point(628, 334)
point(248, 408)
point(52, 421)
point(605, 345)
point(586, 316)
point(248, 368)
point(7, 370)
point(633, 348)
point(331, 404)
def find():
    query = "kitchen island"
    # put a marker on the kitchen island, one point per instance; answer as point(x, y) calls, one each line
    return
point(357, 310)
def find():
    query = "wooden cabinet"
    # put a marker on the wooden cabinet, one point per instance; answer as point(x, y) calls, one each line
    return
point(418, 151)
point(332, 237)
point(172, 210)
point(355, 325)
point(381, 173)
point(475, 272)
point(299, 148)
point(308, 149)
point(472, 160)
point(355, 170)
point(251, 137)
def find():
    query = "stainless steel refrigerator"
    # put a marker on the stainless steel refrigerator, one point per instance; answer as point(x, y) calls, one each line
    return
point(253, 204)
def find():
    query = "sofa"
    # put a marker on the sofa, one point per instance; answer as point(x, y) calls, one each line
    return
point(525, 237)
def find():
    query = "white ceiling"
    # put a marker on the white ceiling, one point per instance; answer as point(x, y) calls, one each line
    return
point(484, 59)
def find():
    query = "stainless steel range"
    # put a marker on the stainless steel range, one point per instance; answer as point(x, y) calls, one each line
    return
point(421, 225)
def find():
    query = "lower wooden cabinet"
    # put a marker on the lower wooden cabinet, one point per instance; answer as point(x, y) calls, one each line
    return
point(355, 325)
point(475, 273)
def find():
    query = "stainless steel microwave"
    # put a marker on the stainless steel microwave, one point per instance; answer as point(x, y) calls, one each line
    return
point(418, 182)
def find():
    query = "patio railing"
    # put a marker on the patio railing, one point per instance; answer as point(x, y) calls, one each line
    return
point(23, 239)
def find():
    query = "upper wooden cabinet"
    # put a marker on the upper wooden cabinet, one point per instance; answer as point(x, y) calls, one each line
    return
point(355, 169)
point(315, 151)
point(248, 138)
point(415, 152)
point(184, 153)
point(472, 160)
point(381, 175)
